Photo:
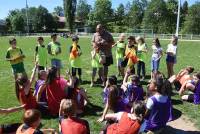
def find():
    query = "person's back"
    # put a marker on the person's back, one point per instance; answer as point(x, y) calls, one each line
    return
point(160, 112)
point(73, 125)
point(135, 92)
point(55, 93)
point(125, 125)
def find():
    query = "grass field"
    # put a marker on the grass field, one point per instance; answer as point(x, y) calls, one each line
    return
point(188, 54)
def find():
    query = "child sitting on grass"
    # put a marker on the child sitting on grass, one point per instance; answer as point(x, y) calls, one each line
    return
point(97, 65)
point(195, 97)
point(159, 107)
point(127, 123)
point(15, 56)
point(133, 91)
point(75, 57)
point(78, 95)
point(68, 122)
point(31, 122)
point(114, 102)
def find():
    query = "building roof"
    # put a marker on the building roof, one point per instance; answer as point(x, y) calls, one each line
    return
point(2, 22)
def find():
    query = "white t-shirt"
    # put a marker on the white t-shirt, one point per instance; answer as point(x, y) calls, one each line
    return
point(159, 98)
point(172, 49)
point(157, 51)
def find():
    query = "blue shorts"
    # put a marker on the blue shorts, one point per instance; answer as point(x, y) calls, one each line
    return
point(56, 62)
point(171, 59)
point(119, 62)
point(155, 65)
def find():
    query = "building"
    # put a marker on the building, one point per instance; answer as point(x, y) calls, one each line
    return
point(2, 25)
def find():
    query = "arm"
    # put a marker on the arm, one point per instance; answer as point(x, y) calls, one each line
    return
point(11, 110)
point(61, 106)
point(33, 75)
point(104, 113)
point(111, 116)
point(49, 130)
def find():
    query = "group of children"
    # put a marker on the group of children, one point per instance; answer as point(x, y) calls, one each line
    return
point(124, 108)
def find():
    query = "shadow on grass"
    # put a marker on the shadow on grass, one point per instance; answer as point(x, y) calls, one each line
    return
point(176, 114)
point(84, 82)
point(171, 130)
point(92, 110)
point(176, 102)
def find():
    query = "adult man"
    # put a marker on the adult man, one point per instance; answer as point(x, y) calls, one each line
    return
point(104, 41)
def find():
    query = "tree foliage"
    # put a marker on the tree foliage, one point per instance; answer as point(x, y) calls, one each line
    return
point(192, 23)
point(70, 9)
point(83, 10)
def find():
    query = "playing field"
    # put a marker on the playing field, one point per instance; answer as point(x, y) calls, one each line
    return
point(188, 54)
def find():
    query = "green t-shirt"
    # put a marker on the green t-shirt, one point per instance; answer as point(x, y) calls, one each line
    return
point(120, 50)
point(41, 55)
point(96, 61)
point(14, 55)
point(140, 52)
point(54, 49)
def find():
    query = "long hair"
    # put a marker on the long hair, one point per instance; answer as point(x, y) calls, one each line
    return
point(139, 109)
point(163, 86)
point(113, 97)
point(52, 74)
point(157, 42)
point(20, 81)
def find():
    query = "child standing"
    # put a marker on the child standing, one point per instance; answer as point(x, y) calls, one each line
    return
point(97, 65)
point(15, 56)
point(156, 56)
point(130, 55)
point(41, 54)
point(171, 55)
point(141, 53)
point(54, 50)
point(120, 53)
point(75, 57)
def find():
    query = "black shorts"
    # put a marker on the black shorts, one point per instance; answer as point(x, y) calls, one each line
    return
point(11, 128)
point(41, 68)
point(177, 85)
point(191, 98)
point(109, 61)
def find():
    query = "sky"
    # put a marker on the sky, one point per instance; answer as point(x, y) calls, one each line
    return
point(7, 5)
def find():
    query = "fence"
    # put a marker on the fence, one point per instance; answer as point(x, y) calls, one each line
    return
point(89, 35)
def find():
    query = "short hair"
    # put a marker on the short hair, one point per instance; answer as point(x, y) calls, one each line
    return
point(11, 40)
point(40, 38)
point(75, 38)
point(53, 35)
point(141, 39)
point(68, 108)
point(31, 116)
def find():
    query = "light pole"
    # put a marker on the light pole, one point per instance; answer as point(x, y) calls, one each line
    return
point(27, 23)
point(178, 18)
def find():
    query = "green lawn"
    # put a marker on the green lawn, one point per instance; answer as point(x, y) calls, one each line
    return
point(188, 54)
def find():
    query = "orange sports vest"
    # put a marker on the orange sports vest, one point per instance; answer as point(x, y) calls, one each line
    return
point(28, 131)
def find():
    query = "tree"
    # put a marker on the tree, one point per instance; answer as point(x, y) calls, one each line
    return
point(102, 13)
point(136, 13)
point(192, 22)
point(155, 16)
point(59, 11)
point(70, 9)
point(172, 7)
point(83, 10)
point(184, 13)
point(15, 21)
point(120, 14)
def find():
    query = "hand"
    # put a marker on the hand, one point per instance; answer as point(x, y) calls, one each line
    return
point(23, 106)
point(100, 120)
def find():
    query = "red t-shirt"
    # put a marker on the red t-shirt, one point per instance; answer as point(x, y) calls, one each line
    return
point(125, 126)
point(55, 93)
point(29, 100)
point(73, 126)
